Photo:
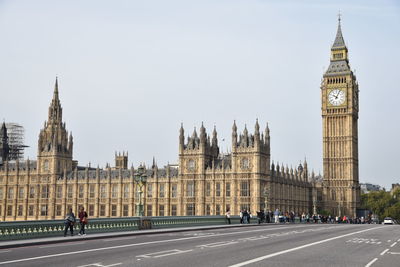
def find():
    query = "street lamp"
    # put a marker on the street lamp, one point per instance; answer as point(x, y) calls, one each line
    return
point(266, 194)
point(140, 180)
point(314, 201)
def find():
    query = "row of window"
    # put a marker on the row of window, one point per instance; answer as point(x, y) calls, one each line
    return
point(20, 210)
point(338, 56)
point(190, 191)
point(161, 190)
point(337, 80)
point(44, 192)
point(244, 189)
point(43, 210)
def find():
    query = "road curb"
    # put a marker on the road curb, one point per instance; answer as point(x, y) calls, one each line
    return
point(34, 242)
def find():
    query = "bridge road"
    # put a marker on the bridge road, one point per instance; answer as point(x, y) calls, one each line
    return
point(266, 245)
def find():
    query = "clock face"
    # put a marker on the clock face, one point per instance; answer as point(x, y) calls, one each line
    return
point(191, 165)
point(245, 164)
point(336, 97)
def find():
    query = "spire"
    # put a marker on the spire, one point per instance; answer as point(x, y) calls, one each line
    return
point(245, 132)
point(55, 110)
point(339, 41)
point(234, 128)
point(257, 128)
point(4, 148)
point(202, 133)
point(267, 137)
point(3, 131)
point(55, 94)
point(214, 138)
point(194, 135)
point(181, 135)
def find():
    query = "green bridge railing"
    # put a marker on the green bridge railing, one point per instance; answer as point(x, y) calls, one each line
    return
point(48, 228)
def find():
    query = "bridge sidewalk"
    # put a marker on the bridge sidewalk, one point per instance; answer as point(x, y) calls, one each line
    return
point(76, 237)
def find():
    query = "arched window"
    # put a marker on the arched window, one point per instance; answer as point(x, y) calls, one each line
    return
point(46, 165)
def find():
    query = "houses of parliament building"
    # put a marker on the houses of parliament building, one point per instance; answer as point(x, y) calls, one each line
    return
point(205, 181)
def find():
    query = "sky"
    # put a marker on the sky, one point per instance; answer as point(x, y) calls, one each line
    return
point(130, 72)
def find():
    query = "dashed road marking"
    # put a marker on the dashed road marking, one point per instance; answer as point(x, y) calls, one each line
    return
point(99, 264)
point(119, 239)
point(62, 245)
point(298, 248)
point(394, 244)
point(383, 252)
point(164, 253)
point(394, 253)
point(371, 262)
point(218, 244)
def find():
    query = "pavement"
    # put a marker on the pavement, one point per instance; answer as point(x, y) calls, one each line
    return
point(264, 245)
point(76, 237)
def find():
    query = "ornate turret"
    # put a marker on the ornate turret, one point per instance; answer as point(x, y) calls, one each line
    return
point(55, 109)
point(55, 146)
point(203, 135)
point(198, 151)
point(339, 55)
point(181, 135)
point(234, 135)
point(4, 147)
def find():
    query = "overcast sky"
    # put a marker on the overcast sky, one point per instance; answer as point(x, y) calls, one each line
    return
point(131, 71)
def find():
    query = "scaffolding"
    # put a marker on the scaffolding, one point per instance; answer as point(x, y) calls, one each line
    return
point(16, 138)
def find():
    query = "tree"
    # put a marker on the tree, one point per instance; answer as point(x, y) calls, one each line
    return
point(383, 204)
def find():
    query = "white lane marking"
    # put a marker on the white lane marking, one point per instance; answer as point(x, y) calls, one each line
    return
point(394, 244)
point(164, 253)
point(299, 247)
point(4, 251)
point(62, 245)
point(398, 240)
point(99, 264)
point(254, 238)
point(141, 244)
point(383, 252)
point(371, 262)
point(218, 244)
point(394, 253)
point(118, 239)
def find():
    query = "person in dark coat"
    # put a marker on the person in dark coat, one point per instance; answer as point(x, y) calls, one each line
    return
point(82, 220)
point(69, 222)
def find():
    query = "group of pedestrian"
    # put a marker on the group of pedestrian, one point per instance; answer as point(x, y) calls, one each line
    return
point(70, 221)
point(245, 216)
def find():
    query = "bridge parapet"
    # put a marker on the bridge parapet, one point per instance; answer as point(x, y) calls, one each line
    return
point(49, 228)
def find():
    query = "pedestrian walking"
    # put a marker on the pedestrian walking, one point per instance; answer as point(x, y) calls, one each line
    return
point(228, 216)
point(241, 214)
point(69, 222)
point(83, 220)
point(276, 215)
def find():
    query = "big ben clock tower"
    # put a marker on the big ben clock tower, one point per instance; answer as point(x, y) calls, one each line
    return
point(339, 97)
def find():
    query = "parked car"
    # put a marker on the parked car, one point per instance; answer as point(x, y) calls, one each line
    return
point(388, 220)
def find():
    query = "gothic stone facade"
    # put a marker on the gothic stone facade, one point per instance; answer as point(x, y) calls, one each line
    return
point(205, 181)
point(339, 96)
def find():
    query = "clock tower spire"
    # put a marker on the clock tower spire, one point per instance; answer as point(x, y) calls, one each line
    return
point(339, 99)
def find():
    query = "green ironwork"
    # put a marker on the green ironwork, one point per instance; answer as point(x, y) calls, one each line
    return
point(140, 180)
point(49, 228)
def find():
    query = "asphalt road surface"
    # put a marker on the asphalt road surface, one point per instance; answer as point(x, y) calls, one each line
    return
point(265, 245)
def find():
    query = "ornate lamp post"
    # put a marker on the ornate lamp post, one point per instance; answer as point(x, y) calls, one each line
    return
point(266, 195)
point(314, 200)
point(140, 180)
